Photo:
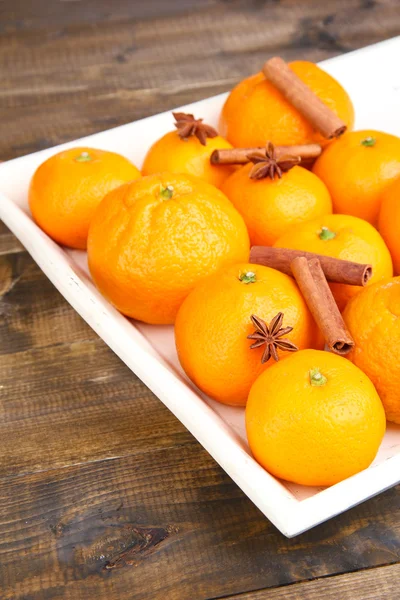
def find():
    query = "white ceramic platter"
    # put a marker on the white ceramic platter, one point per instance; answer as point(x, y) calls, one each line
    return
point(372, 78)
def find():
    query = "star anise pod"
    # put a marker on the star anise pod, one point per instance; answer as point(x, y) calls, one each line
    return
point(187, 125)
point(271, 336)
point(268, 164)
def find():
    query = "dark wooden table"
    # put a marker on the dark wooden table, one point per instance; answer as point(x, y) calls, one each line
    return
point(103, 493)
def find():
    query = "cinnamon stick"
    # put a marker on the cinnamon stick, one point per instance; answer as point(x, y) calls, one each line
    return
point(303, 98)
point(313, 285)
point(239, 156)
point(305, 151)
point(339, 271)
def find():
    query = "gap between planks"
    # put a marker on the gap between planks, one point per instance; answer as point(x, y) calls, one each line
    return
point(373, 583)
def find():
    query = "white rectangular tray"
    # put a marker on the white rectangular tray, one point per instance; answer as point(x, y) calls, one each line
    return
point(373, 81)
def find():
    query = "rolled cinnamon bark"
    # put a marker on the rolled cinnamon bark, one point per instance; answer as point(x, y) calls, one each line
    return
point(305, 151)
point(303, 98)
point(339, 271)
point(239, 156)
point(232, 156)
point(313, 285)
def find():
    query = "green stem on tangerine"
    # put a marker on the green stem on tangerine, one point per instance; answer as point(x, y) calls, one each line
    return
point(368, 141)
point(248, 277)
point(326, 234)
point(84, 157)
point(316, 377)
point(166, 192)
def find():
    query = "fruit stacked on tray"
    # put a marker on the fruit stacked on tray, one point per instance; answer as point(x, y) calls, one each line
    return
point(262, 242)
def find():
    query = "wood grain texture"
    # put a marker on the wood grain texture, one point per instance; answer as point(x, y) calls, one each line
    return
point(65, 397)
point(62, 73)
point(67, 400)
point(8, 242)
point(167, 523)
point(79, 405)
point(103, 494)
point(371, 584)
point(32, 313)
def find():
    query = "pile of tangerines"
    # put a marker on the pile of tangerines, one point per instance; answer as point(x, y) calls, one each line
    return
point(170, 245)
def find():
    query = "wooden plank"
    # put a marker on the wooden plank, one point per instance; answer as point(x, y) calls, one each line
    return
point(373, 584)
point(167, 524)
point(9, 243)
point(33, 314)
point(76, 402)
point(141, 496)
point(65, 397)
point(70, 403)
point(141, 67)
point(22, 16)
point(162, 49)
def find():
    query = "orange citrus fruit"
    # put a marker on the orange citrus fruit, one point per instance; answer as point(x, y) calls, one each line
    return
point(213, 324)
point(270, 206)
point(314, 419)
point(373, 319)
point(389, 222)
point(188, 155)
point(66, 189)
point(344, 237)
point(256, 111)
point(151, 241)
point(357, 168)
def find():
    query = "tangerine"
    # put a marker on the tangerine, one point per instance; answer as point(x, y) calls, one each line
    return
point(344, 237)
point(66, 189)
point(214, 322)
point(151, 241)
point(389, 222)
point(314, 419)
point(256, 111)
point(189, 153)
point(373, 319)
point(357, 169)
point(270, 206)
